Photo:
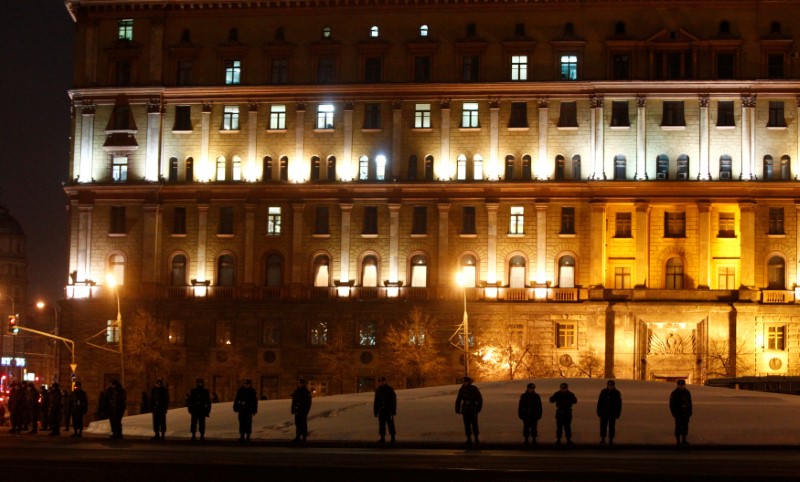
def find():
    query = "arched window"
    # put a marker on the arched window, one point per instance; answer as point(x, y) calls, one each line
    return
point(776, 273)
point(419, 271)
point(429, 168)
point(273, 276)
point(516, 272)
point(674, 274)
point(189, 169)
point(284, 169)
point(620, 167)
point(683, 167)
point(477, 167)
point(461, 167)
point(576, 167)
point(560, 168)
point(116, 268)
point(423, 30)
point(566, 272)
point(509, 168)
point(369, 271)
point(786, 170)
point(226, 271)
point(173, 169)
point(412, 168)
point(662, 167)
point(373, 31)
point(221, 168)
point(236, 169)
point(469, 271)
point(315, 168)
point(380, 167)
point(363, 168)
point(266, 169)
point(767, 168)
point(321, 271)
point(331, 176)
point(526, 167)
point(177, 275)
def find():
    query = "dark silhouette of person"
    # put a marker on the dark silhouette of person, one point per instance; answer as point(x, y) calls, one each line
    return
point(117, 398)
point(609, 408)
point(78, 406)
point(199, 405)
point(159, 404)
point(246, 406)
point(45, 407)
point(469, 403)
point(564, 400)
point(32, 407)
point(680, 405)
point(56, 406)
point(301, 405)
point(529, 411)
point(385, 408)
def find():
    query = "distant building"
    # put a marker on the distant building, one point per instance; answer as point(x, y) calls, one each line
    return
point(617, 181)
point(15, 361)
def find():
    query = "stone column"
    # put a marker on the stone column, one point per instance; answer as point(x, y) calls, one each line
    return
point(252, 142)
point(642, 237)
point(203, 173)
point(151, 244)
point(542, 162)
point(747, 226)
point(598, 143)
point(397, 138)
point(597, 236)
point(704, 244)
point(202, 233)
point(352, 164)
point(298, 256)
point(84, 248)
point(295, 165)
point(491, 235)
point(249, 243)
point(797, 240)
point(493, 171)
point(394, 240)
point(85, 168)
point(641, 138)
point(704, 174)
point(344, 265)
point(152, 154)
point(541, 242)
point(444, 248)
point(797, 136)
point(444, 171)
point(748, 136)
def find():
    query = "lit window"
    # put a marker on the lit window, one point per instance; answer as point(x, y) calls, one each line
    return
point(422, 116)
point(326, 32)
point(233, 72)
point(469, 115)
point(622, 225)
point(125, 29)
point(176, 332)
point(277, 117)
point(325, 116)
point(423, 31)
point(221, 168)
point(461, 167)
point(517, 220)
point(477, 167)
point(622, 278)
point(274, 220)
point(519, 67)
point(569, 67)
point(116, 268)
point(565, 335)
point(363, 168)
point(726, 278)
point(236, 169)
point(373, 31)
point(112, 331)
point(776, 337)
point(726, 225)
point(380, 168)
point(119, 169)
point(367, 333)
point(230, 118)
point(318, 333)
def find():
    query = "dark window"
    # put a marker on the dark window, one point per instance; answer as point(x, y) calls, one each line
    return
point(226, 274)
point(560, 168)
point(519, 115)
point(620, 167)
point(674, 225)
point(117, 220)
point(567, 221)
point(725, 168)
point(622, 225)
point(662, 167)
point(621, 66)
point(372, 116)
point(280, 71)
point(172, 176)
point(775, 66)
point(184, 73)
point(776, 118)
point(429, 168)
point(786, 170)
point(726, 225)
point(422, 69)
point(225, 220)
point(683, 167)
point(576, 167)
point(274, 271)
point(420, 222)
point(284, 168)
point(509, 168)
point(673, 113)
point(725, 116)
point(370, 220)
point(331, 169)
point(619, 114)
point(315, 168)
point(673, 65)
point(178, 272)
point(470, 68)
point(183, 119)
point(468, 220)
point(674, 274)
point(179, 220)
point(373, 69)
point(726, 65)
point(569, 115)
point(412, 168)
point(767, 168)
point(776, 273)
point(189, 169)
point(526, 167)
point(776, 221)
point(122, 73)
point(266, 167)
point(326, 70)
point(321, 220)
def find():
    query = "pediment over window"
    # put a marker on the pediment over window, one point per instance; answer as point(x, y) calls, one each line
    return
point(673, 38)
point(373, 47)
point(183, 50)
point(471, 46)
point(422, 47)
point(279, 48)
point(325, 47)
point(124, 49)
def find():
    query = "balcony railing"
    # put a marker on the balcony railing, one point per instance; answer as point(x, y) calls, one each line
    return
point(777, 296)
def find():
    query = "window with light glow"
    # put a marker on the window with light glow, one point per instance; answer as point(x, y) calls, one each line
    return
point(325, 116)
point(274, 220)
point(233, 72)
point(569, 67)
point(517, 220)
point(277, 117)
point(125, 29)
point(318, 333)
point(519, 67)
point(565, 335)
point(422, 116)
point(469, 115)
point(230, 118)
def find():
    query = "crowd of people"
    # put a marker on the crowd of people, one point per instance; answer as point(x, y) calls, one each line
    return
point(48, 407)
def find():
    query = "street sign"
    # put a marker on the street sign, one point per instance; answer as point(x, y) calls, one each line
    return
point(73, 367)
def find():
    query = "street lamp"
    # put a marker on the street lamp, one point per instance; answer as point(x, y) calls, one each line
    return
point(40, 305)
point(112, 283)
point(462, 283)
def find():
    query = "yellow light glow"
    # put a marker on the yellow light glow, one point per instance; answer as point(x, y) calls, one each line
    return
point(40, 304)
point(110, 280)
point(460, 279)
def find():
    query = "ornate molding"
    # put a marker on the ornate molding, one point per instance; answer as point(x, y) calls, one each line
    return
point(596, 101)
point(252, 106)
point(703, 98)
point(206, 107)
point(494, 102)
point(543, 103)
point(444, 103)
point(397, 104)
point(154, 105)
point(641, 101)
point(88, 107)
point(749, 100)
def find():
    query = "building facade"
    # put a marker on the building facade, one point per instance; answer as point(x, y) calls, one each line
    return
point(615, 181)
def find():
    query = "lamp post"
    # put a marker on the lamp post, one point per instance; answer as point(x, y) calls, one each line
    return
point(112, 283)
point(462, 283)
point(40, 305)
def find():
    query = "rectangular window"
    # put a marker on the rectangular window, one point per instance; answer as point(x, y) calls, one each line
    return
point(318, 333)
point(622, 278)
point(367, 333)
point(519, 67)
point(280, 71)
point(726, 225)
point(619, 114)
point(775, 66)
point(468, 220)
point(422, 116)
point(517, 220)
point(119, 169)
point(274, 220)
point(674, 225)
point(569, 67)
point(183, 76)
point(236, 169)
point(621, 66)
point(370, 220)
point(270, 333)
point(422, 69)
point(117, 225)
point(565, 335)
point(672, 114)
point(233, 72)
point(372, 116)
point(225, 220)
point(420, 221)
point(373, 70)
point(568, 114)
point(321, 225)
point(776, 221)
point(726, 278)
point(519, 115)
point(176, 332)
point(221, 168)
point(326, 70)
point(125, 29)
point(223, 333)
point(325, 116)
point(622, 225)
point(469, 115)
point(230, 118)
point(470, 68)
point(776, 337)
point(776, 118)
point(183, 118)
point(567, 221)
point(179, 220)
point(725, 114)
point(277, 117)
point(726, 65)
point(363, 168)
point(112, 331)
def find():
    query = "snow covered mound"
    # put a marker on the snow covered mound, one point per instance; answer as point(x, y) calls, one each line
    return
point(721, 416)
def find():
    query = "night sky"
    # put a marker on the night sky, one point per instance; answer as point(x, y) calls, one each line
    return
point(36, 48)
